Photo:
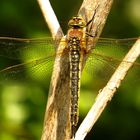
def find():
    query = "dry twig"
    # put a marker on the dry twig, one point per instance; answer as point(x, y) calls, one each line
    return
point(50, 18)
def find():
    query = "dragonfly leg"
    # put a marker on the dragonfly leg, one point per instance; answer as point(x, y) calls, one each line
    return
point(92, 19)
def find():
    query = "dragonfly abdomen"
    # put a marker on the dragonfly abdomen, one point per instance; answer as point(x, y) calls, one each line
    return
point(74, 55)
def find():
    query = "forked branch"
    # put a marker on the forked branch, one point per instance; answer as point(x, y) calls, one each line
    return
point(57, 115)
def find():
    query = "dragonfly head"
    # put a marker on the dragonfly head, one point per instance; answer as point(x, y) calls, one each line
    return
point(77, 22)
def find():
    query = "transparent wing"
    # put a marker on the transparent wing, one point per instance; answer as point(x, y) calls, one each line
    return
point(14, 48)
point(23, 57)
point(34, 68)
point(107, 55)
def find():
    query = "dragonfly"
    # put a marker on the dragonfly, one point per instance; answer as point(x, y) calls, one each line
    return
point(37, 55)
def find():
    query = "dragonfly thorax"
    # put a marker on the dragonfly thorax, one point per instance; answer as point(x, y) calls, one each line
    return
point(76, 28)
point(76, 33)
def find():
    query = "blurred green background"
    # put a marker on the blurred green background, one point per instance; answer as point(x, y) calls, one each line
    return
point(22, 106)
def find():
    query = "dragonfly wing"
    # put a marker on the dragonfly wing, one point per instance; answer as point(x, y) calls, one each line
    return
point(25, 71)
point(14, 48)
point(106, 56)
point(34, 55)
